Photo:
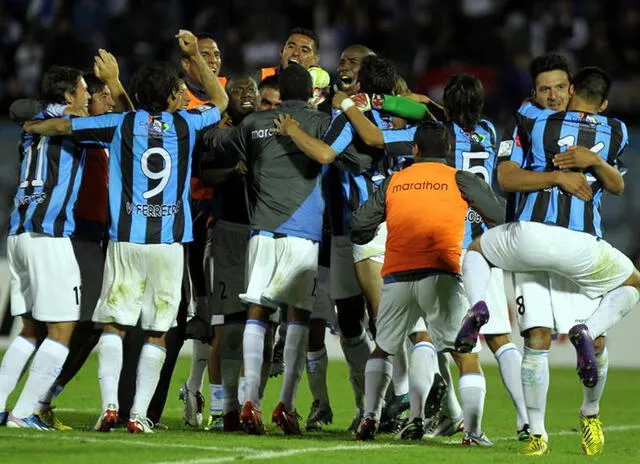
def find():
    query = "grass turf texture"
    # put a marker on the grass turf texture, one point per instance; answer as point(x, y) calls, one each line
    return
point(79, 405)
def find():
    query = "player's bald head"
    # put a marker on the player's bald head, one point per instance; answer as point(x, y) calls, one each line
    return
point(359, 49)
point(349, 67)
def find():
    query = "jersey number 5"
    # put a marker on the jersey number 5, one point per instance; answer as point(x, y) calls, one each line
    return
point(163, 174)
point(479, 170)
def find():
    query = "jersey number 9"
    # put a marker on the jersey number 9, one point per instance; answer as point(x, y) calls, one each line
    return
point(162, 175)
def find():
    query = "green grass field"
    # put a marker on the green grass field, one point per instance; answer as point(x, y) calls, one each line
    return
point(79, 407)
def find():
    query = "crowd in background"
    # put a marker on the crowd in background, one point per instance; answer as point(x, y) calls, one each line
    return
point(426, 39)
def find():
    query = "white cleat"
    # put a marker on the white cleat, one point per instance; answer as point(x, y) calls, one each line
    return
point(139, 424)
point(193, 406)
point(472, 440)
point(107, 420)
point(443, 426)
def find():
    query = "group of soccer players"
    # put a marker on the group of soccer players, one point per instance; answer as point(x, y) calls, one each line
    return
point(275, 198)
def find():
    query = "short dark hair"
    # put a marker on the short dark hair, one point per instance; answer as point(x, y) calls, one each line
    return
point(592, 84)
point(94, 84)
point(306, 32)
point(546, 63)
point(295, 83)
point(59, 80)
point(377, 75)
point(236, 77)
point(434, 140)
point(270, 82)
point(152, 85)
point(206, 35)
point(464, 100)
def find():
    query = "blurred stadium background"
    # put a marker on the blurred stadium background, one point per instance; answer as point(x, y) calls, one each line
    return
point(427, 39)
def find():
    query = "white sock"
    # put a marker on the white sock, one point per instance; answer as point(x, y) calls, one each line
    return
point(510, 364)
point(13, 364)
point(242, 391)
point(535, 384)
point(377, 376)
point(252, 348)
point(294, 348)
point(473, 389)
point(45, 368)
point(613, 307)
point(422, 367)
point(216, 399)
point(149, 366)
point(109, 367)
point(400, 375)
point(475, 276)
point(451, 407)
point(199, 361)
point(317, 363)
point(591, 396)
point(356, 352)
point(230, 370)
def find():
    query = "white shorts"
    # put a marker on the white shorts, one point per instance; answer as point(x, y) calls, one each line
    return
point(344, 283)
point(496, 299)
point(323, 308)
point(545, 299)
point(229, 254)
point(281, 271)
point(440, 299)
point(373, 250)
point(592, 263)
point(91, 263)
point(45, 277)
point(141, 282)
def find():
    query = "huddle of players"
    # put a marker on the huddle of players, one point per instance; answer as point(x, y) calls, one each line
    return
point(285, 220)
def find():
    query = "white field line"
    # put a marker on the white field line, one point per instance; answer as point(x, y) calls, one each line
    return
point(265, 455)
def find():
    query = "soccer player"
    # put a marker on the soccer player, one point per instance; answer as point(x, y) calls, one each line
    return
point(422, 269)
point(45, 278)
point(226, 250)
point(269, 94)
point(562, 209)
point(475, 141)
point(150, 156)
point(286, 225)
point(550, 293)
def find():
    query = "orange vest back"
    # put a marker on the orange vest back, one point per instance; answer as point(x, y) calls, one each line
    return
point(267, 72)
point(425, 219)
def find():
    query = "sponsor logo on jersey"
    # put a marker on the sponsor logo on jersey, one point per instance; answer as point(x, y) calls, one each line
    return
point(262, 133)
point(505, 149)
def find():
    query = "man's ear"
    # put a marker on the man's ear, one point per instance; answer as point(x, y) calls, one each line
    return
point(572, 90)
point(316, 61)
point(604, 106)
point(184, 63)
point(68, 98)
point(414, 151)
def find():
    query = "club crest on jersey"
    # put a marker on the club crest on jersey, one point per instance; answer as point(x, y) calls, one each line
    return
point(588, 118)
point(477, 138)
point(156, 127)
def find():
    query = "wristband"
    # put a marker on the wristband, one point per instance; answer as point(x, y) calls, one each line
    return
point(346, 104)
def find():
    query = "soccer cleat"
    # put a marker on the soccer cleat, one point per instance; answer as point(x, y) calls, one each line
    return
point(277, 361)
point(366, 429)
point(585, 354)
point(390, 418)
point(355, 422)
point(443, 426)
point(437, 393)
point(286, 420)
point(472, 440)
point(468, 334)
point(193, 406)
point(215, 422)
point(49, 418)
point(318, 417)
point(251, 419)
point(231, 421)
point(108, 420)
point(32, 422)
point(412, 430)
point(524, 434)
point(139, 424)
point(536, 446)
point(3, 418)
point(592, 441)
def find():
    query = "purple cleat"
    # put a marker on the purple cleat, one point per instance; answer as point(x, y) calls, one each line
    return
point(586, 366)
point(468, 334)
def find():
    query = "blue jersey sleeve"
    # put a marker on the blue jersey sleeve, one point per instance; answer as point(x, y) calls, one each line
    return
point(97, 130)
point(398, 142)
point(340, 134)
point(201, 117)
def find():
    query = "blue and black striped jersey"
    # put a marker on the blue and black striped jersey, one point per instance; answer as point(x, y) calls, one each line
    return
point(149, 170)
point(474, 152)
point(50, 176)
point(552, 133)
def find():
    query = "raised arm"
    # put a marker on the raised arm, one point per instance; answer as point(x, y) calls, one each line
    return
point(189, 46)
point(314, 148)
point(105, 67)
point(49, 127)
point(368, 132)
